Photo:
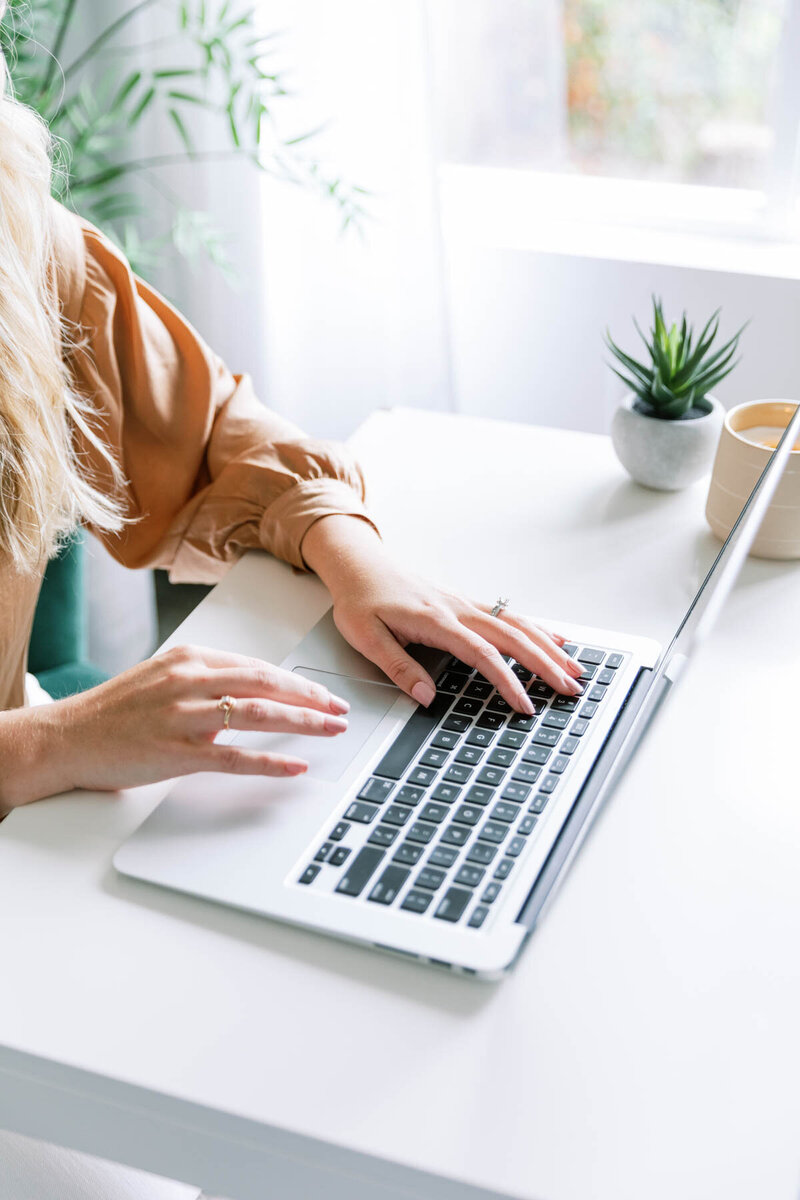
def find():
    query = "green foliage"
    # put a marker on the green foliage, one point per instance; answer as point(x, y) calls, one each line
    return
point(102, 102)
point(680, 373)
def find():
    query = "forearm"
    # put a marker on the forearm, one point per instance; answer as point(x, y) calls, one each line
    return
point(32, 752)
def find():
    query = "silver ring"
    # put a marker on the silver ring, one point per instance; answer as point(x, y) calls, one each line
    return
point(500, 605)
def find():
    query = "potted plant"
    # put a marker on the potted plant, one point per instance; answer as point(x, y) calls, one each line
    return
point(666, 429)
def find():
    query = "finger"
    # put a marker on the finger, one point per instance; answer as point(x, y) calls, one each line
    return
point(232, 760)
point(266, 716)
point(511, 641)
point(273, 683)
point(551, 643)
point(379, 644)
point(480, 653)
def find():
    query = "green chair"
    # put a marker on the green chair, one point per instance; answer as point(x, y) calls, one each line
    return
point(58, 650)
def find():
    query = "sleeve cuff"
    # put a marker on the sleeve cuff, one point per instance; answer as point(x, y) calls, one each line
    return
point(288, 518)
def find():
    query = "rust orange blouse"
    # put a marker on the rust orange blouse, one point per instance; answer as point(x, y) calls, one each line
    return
point(211, 472)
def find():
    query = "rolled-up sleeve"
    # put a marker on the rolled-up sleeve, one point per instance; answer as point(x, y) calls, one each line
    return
point(210, 471)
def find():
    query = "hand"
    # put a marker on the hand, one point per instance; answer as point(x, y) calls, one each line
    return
point(380, 609)
point(160, 719)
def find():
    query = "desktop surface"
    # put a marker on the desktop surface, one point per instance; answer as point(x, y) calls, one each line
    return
point(645, 1044)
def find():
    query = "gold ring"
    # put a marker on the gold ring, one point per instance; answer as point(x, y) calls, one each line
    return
point(226, 705)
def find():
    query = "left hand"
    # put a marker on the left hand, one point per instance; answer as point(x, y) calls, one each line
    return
point(380, 609)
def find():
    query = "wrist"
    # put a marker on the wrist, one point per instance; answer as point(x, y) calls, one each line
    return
point(32, 753)
point(342, 549)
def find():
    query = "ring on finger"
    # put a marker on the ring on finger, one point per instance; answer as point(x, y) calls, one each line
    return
point(501, 603)
point(226, 705)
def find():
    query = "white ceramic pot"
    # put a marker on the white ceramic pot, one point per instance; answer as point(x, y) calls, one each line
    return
point(667, 455)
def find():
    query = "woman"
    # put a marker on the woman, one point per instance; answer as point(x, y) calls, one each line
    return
point(114, 413)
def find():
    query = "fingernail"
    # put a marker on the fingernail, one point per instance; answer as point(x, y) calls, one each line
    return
point(576, 666)
point(525, 704)
point(423, 693)
point(574, 685)
point(335, 724)
point(296, 768)
point(337, 705)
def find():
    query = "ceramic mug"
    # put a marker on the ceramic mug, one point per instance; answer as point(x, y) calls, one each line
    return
point(749, 434)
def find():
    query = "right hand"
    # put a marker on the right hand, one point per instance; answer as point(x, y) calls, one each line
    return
point(159, 719)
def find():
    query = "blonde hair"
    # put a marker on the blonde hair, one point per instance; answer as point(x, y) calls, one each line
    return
point(45, 488)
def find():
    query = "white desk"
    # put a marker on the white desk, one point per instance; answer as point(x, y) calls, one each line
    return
point(646, 1047)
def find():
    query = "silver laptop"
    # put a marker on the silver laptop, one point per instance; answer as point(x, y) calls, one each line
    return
point(437, 833)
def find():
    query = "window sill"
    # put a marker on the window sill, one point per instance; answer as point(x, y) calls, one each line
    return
point(712, 229)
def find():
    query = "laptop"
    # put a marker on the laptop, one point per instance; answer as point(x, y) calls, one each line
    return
point(438, 834)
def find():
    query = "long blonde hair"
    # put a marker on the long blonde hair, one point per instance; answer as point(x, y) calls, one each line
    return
point(45, 488)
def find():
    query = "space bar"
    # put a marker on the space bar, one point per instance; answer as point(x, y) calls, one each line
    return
point(416, 729)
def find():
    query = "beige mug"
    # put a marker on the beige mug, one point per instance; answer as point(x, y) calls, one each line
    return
point(749, 434)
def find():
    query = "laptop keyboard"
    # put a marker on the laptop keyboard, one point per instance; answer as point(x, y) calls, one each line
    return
point(454, 804)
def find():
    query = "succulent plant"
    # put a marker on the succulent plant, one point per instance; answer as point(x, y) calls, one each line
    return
point(680, 373)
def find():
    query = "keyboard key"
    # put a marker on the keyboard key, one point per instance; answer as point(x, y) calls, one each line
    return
point(450, 682)
point(514, 738)
point(430, 878)
point(445, 739)
point(521, 722)
point(526, 773)
point(515, 792)
point(433, 758)
point(434, 812)
point(504, 812)
point(310, 874)
point(457, 723)
point(490, 893)
point(323, 852)
point(587, 673)
point(396, 815)
point(588, 655)
point(338, 831)
point(605, 677)
point(491, 776)
point(548, 785)
point(456, 835)
point(376, 790)
point(564, 704)
point(494, 831)
point(569, 745)
point(536, 754)
point(360, 871)
point(546, 737)
point(468, 814)
point(502, 757)
point(388, 886)
point(597, 692)
point(455, 664)
point(541, 689)
point(559, 764)
point(481, 852)
point(516, 846)
point(469, 876)
point(420, 832)
point(452, 905)
point(478, 794)
point(409, 795)
point(522, 672)
point(527, 825)
point(498, 705)
point(408, 853)
point(361, 812)
point(422, 722)
point(339, 856)
point(423, 776)
point(478, 916)
point(457, 773)
point(383, 835)
point(480, 689)
point(471, 755)
point(578, 727)
point(569, 648)
point(538, 802)
point(443, 856)
point(468, 705)
point(503, 868)
point(556, 720)
point(480, 737)
point(446, 792)
point(587, 711)
point(416, 902)
point(614, 661)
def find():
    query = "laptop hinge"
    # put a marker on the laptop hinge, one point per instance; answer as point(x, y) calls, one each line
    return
point(607, 769)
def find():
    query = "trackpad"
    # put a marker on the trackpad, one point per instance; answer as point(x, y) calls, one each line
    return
point(329, 757)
